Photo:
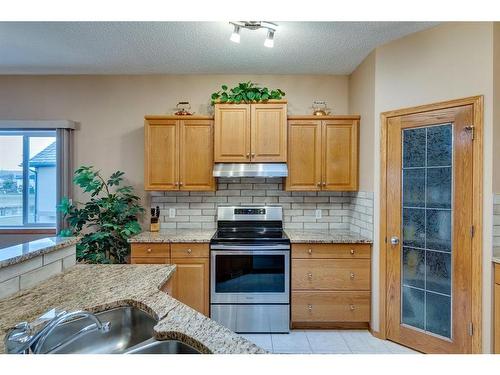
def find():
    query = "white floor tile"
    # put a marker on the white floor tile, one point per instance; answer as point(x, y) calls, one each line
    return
point(327, 342)
point(261, 339)
point(294, 342)
point(399, 349)
point(362, 342)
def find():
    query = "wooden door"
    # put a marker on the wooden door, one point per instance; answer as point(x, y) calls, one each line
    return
point(304, 155)
point(340, 155)
point(191, 282)
point(429, 230)
point(268, 132)
point(232, 133)
point(196, 155)
point(161, 155)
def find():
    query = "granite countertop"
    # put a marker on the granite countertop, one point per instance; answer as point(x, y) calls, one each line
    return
point(296, 236)
point(496, 255)
point(100, 287)
point(325, 236)
point(174, 235)
point(19, 253)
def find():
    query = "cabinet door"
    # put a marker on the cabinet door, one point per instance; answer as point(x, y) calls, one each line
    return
point(161, 157)
point(497, 317)
point(232, 133)
point(268, 123)
point(340, 155)
point(196, 155)
point(304, 155)
point(190, 283)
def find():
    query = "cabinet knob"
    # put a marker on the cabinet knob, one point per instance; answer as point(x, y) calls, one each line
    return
point(324, 183)
point(253, 154)
point(319, 184)
point(352, 276)
point(352, 251)
point(248, 155)
point(310, 307)
point(180, 183)
point(148, 250)
point(189, 251)
point(176, 184)
point(310, 276)
point(309, 251)
point(352, 307)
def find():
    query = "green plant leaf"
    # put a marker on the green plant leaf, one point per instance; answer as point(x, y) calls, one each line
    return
point(251, 95)
point(224, 87)
point(246, 92)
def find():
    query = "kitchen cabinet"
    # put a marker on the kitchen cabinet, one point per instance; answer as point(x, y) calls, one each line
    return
point(191, 279)
point(497, 309)
point(178, 153)
point(323, 153)
point(150, 253)
point(330, 285)
point(250, 133)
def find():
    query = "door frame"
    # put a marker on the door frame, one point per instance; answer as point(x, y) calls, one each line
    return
point(477, 212)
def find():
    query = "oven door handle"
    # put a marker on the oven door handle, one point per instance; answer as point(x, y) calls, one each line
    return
point(250, 248)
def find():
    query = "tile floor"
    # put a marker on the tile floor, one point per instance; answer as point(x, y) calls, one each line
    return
point(326, 342)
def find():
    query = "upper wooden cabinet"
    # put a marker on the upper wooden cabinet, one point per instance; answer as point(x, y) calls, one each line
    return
point(178, 153)
point(250, 132)
point(323, 153)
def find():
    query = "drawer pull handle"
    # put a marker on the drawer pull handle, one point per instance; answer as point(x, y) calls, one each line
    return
point(310, 276)
point(149, 250)
point(189, 251)
point(352, 251)
point(352, 307)
point(352, 276)
point(310, 307)
point(309, 251)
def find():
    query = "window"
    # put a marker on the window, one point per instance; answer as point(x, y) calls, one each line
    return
point(28, 167)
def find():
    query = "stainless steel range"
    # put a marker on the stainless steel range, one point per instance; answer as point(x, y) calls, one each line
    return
point(250, 270)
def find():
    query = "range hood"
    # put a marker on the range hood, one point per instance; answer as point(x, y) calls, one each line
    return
point(250, 170)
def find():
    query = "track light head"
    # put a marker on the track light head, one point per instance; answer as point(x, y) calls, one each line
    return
point(269, 42)
point(235, 36)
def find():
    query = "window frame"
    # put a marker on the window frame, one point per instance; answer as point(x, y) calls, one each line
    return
point(26, 226)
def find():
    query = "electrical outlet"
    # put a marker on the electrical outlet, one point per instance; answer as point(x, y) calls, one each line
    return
point(171, 213)
point(318, 214)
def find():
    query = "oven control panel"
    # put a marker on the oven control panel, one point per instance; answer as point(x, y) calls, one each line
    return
point(249, 211)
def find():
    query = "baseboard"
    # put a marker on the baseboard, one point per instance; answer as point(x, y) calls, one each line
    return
point(330, 325)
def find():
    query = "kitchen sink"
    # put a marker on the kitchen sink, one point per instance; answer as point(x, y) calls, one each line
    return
point(131, 331)
point(129, 327)
point(153, 346)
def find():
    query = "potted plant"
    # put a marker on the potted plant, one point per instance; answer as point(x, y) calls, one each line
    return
point(246, 92)
point(105, 221)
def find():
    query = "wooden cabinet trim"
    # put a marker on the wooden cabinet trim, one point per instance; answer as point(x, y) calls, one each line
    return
point(150, 260)
point(330, 251)
point(497, 273)
point(322, 118)
point(150, 250)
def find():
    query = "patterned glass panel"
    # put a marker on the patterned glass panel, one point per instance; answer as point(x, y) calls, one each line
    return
point(426, 259)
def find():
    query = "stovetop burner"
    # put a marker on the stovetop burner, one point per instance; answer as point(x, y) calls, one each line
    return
point(252, 234)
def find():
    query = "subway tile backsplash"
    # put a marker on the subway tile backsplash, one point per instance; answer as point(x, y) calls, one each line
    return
point(339, 210)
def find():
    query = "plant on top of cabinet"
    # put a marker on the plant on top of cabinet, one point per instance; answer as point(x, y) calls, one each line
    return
point(106, 221)
point(246, 92)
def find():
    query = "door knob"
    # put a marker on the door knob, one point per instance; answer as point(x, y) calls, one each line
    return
point(394, 240)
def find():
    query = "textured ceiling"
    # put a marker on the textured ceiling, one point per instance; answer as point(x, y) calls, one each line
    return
point(190, 47)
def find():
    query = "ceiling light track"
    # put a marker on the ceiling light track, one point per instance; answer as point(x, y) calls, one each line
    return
point(254, 25)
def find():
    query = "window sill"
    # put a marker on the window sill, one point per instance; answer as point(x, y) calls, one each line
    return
point(27, 231)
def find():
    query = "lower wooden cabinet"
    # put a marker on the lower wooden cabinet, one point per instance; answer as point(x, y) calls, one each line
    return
point(150, 253)
point(330, 285)
point(497, 309)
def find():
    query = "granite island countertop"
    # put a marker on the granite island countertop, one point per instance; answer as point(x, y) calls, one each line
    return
point(22, 252)
point(295, 235)
point(100, 287)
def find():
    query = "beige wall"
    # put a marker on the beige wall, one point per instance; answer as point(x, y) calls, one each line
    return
point(110, 109)
point(362, 101)
point(496, 107)
point(446, 62)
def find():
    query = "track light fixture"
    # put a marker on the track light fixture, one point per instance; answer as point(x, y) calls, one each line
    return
point(254, 25)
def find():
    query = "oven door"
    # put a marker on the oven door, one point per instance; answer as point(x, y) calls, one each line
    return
point(241, 275)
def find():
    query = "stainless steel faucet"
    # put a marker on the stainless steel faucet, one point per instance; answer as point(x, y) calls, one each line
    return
point(22, 340)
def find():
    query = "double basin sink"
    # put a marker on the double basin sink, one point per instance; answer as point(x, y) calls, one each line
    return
point(131, 332)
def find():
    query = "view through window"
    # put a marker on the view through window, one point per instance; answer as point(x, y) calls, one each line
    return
point(28, 168)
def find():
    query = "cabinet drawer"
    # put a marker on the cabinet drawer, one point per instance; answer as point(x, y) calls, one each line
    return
point(331, 274)
point(497, 273)
point(189, 250)
point(150, 250)
point(149, 260)
point(330, 306)
point(322, 251)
